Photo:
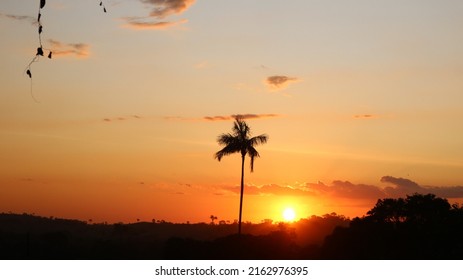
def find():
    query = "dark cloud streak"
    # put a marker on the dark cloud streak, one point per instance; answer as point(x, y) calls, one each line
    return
point(243, 116)
point(80, 50)
point(160, 9)
point(402, 187)
point(164, 8)
point(365, 116)
point(118, 119)
point(29, 19)
point(279, 82)
point(139, 24)
point(223, 117)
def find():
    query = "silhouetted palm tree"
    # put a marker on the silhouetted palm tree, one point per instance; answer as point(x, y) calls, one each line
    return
point(213, 218)
point(240, 141)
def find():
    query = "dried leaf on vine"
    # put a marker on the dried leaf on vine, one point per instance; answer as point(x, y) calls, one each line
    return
point(39, 51)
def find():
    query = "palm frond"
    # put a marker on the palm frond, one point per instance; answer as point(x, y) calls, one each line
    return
point(257, 140)
point(240, 141)
point(226, 139)
point(253, 153)
point(227, 150)
point(241, 128)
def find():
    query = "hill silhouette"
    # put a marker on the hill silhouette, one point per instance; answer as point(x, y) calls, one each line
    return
point(415, 227)
point(26, 236)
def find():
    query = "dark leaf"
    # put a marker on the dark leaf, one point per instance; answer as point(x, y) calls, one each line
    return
point(101, 3)
point(104, 9)
point(39, 51)
point(49, 55)
point(42, 4)
point(40, 29)
point(38, 18)
point(28, 72)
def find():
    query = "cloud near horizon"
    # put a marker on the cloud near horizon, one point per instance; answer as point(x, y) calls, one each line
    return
point(79, 50)
point(115, 119)
point(160, 9)
point(243, 116)
point(402, 187)
point(279, 82)
point(272, 189)
point(398, 187)
point(29, 19)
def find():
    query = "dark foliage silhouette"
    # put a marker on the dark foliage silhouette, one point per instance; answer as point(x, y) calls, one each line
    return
point(275, 245)
point(240, 141)
point(213, 218)
point(416, 227)
point(31, 237)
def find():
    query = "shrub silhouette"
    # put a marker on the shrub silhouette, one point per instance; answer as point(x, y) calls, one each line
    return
point(416, 227)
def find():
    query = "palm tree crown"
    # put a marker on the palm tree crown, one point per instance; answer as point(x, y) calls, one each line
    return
point(240, 141)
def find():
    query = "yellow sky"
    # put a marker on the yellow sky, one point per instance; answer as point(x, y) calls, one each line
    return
point(131, 103)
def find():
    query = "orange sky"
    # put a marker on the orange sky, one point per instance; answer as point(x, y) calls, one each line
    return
point(360, 100)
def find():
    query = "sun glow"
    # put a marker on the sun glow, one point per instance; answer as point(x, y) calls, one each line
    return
point(289, 215)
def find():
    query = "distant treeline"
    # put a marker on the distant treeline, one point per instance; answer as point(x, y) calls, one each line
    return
point(26, 236)
point(415, 227)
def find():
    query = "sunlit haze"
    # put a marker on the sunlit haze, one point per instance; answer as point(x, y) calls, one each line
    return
point(360, 99)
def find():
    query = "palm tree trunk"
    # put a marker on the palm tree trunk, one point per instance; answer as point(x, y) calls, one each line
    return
point(241, 194)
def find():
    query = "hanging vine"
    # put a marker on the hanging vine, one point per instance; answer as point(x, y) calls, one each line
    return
point(102, 5)
point(40, 49)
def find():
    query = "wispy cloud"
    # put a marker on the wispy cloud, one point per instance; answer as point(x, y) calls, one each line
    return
point(125, 118)
point(178, 118)
point(364, 117)
point(402, 187)
point(346, 189)
point(58, 48)
point(223, 117)
point(159, 10)
point(147, 25)
point(243, 116)
point(164, 8)
point(218, 118)
point(28, 19)
point(397, 187)
point(79, 50)
point(272, 189)
point(279, 82)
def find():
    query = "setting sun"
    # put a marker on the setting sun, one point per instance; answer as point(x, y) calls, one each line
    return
point(289, 215)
